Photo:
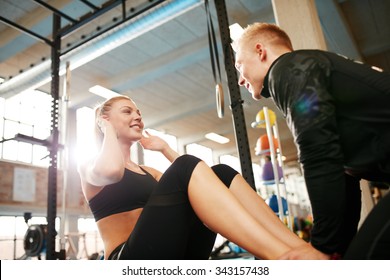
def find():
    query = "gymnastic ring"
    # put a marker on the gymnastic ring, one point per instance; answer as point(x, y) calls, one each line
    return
point(220, 100)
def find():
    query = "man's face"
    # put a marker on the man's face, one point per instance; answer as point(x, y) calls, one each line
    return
point(248, 63)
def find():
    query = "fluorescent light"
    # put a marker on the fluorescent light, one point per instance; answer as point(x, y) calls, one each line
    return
point(235, 31)
point(217, 138)
point(103, 92)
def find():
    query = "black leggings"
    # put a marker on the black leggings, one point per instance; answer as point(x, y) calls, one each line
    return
point(168, 227)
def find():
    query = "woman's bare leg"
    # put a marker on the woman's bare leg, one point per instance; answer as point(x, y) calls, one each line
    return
point(263, 214)
point(222, 212)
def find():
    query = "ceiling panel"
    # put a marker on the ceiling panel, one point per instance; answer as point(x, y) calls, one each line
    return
point(167, 70)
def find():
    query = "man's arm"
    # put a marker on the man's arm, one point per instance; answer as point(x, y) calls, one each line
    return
point(300, 89)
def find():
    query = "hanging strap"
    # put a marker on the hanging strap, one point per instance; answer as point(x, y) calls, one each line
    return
point(215, 62)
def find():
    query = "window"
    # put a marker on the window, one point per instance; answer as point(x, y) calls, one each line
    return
point(232, 161)
point(12, 233)
point(90, 241)
point(2, 108)
point(202, 152)
point(86, 145)
point(28, 113)
point(14, 228)
point(256, 174)
point(156, 159)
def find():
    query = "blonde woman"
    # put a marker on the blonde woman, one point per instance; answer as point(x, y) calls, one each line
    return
point(144, 214)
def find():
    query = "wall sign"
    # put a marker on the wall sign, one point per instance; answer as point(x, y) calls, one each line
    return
point(24, 185)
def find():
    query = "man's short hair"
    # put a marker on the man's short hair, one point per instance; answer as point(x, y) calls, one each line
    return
point(266, 33)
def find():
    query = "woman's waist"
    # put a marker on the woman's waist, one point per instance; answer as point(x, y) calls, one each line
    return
point(116, 229)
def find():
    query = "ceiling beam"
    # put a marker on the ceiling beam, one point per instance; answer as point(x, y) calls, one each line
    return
point(184, 111)
point(28, 21)
point(223, 130)
point(157, 67)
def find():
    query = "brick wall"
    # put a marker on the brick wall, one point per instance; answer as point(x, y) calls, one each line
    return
point(75, 201)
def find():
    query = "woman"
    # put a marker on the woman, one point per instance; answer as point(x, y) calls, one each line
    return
point(144, 214)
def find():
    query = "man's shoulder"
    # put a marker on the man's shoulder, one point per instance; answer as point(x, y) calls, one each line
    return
point(299, 62)
point(301, 56)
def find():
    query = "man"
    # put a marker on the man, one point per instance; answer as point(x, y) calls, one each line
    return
point(339, 114)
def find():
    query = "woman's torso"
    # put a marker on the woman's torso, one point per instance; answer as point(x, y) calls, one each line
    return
point(117, 207)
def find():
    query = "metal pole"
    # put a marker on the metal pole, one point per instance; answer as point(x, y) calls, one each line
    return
point(53, 149)
point(64, 153)
point(235, 96)
point(281, 164)
point(273, 161)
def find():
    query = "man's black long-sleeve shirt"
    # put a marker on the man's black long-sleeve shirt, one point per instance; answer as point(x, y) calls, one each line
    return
point(338, 111)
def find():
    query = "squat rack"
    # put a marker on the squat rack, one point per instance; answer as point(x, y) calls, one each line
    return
point(235, 96)
point(58, 34)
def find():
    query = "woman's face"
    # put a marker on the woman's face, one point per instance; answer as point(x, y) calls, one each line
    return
point(126, 118)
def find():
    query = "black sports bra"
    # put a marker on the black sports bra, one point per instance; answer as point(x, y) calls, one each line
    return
point(130, 193)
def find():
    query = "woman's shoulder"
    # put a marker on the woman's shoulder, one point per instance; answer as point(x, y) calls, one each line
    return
point(88, 176)
point(152, 171)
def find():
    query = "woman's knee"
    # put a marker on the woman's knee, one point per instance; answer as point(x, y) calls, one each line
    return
point(225, 173)
point(179, 173)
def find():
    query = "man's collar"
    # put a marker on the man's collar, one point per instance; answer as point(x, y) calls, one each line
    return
point(265, 91)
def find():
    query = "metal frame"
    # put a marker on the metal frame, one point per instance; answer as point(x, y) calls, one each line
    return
point(53, 144)
point(235, 96)
point(276, 159)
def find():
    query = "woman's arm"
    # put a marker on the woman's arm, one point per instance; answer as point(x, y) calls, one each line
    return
point(108, 166)
point(155, 143)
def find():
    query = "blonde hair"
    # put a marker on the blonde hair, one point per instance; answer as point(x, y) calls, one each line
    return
point(266, 33)
point(103, 109)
